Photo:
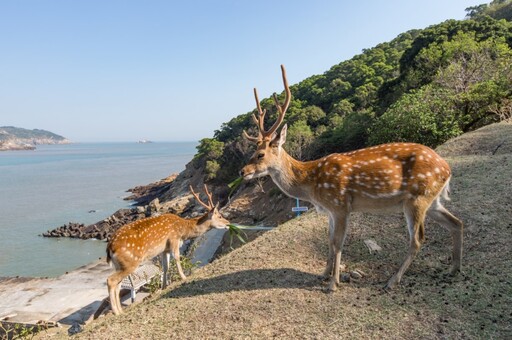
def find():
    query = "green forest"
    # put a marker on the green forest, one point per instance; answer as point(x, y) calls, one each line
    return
point(425, 86)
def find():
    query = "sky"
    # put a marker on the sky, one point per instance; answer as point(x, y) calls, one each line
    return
point(108, 71)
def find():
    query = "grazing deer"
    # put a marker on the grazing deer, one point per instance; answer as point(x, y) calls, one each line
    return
point(397, 176)
point(146, 238)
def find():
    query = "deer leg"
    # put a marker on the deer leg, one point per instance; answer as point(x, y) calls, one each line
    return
point(337, 240)
point(113, 282)
point(415, 215)
point(441, 215)
point(176, 254)
point(166, 257)
point(330, 259)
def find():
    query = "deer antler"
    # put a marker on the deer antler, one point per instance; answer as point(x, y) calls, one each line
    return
point(210, 204)
point(261, 113)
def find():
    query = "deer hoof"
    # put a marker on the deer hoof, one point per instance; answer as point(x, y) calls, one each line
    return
point(391, 284)
point(333, 286)
point(454, 271)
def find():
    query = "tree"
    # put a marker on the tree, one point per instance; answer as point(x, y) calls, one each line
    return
point(425, 116)
point(299, 138)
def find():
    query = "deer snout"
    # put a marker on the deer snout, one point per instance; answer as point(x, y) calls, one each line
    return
point(246, 173)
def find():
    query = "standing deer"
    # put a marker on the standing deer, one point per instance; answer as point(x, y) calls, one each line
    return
point(146, 238)
point(397, 176)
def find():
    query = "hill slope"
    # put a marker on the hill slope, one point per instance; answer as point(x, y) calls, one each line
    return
point(270, 287)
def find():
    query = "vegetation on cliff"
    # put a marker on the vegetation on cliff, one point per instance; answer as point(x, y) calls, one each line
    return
point(424, 86)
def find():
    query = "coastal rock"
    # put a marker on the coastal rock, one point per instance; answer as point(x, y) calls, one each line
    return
point(100, 230)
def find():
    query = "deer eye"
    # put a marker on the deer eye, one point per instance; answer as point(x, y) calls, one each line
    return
point(261, 155)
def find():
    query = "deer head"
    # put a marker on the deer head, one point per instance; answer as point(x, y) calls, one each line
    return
point(268, 143)
point(217, 220)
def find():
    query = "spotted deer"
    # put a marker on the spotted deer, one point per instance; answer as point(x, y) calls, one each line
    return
point(149, 237)
point(389, 177)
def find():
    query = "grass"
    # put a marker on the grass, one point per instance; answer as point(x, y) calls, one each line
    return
point(270, 288)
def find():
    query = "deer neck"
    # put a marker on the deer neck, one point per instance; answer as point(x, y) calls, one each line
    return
point(292, 176)
point(199, 226)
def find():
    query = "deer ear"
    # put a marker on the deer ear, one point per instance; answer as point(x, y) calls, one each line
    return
point(280, 138)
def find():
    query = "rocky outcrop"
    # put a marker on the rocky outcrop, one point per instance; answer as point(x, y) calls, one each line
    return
point(15, 145)
point(100, 230)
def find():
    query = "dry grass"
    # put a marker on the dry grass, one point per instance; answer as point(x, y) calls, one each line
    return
point(270, 287)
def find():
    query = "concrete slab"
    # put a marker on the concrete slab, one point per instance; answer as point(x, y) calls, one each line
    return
point(206, 246)
point(67, 299)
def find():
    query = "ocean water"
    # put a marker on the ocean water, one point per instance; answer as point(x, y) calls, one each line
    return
point(56, 184)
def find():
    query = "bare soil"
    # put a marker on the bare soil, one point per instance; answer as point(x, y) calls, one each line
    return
point(270, 287)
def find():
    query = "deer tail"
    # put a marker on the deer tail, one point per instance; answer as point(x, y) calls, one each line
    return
point(109, 257)
point(445, 193)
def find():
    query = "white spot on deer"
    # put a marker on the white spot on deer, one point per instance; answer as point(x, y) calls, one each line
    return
point(336, 201)
point(326, 185)
point(413, 159)
point(436, 170)
point(421, 157)
point(422, 176)
point(319, 164)
point(429, 174)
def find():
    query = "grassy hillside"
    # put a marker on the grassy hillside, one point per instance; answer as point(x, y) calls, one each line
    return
point(270, 287)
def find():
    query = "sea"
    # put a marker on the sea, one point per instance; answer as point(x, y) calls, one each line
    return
point(52, 185)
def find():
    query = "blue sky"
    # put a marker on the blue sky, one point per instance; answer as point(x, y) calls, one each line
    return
point(176, 70)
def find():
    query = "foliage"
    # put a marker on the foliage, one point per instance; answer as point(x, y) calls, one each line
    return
point(19, 331)
point(349, 135)
point(299, 138)
point(209, 151)
point(210, 148)
point(235, 231)
point(472, 78)
point(186, 264)
point(211, 169)
point(497, 9)
point(417, 119)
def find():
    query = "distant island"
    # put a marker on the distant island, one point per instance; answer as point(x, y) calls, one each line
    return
point(144, 141)
point(14, 138)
